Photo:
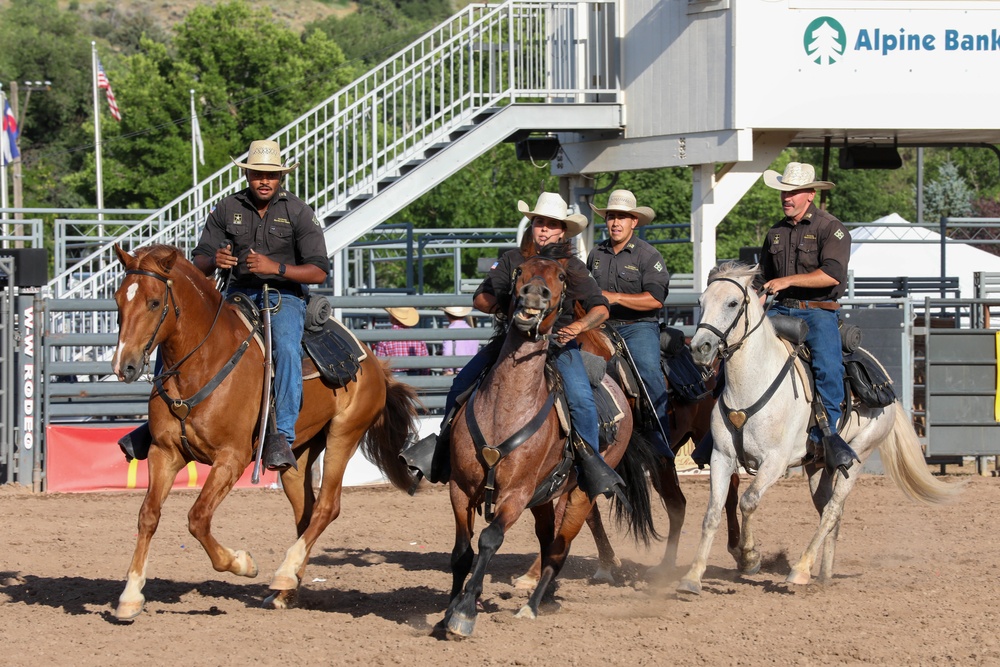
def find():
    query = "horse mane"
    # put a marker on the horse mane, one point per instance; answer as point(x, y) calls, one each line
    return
point(557, 251)
point(734, 270)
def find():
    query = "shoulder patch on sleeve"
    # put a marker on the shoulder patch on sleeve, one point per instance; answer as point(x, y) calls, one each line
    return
point(658, 266)
point(839, 234)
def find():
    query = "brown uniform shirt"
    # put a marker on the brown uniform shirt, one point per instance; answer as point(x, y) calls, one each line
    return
point(818, 241)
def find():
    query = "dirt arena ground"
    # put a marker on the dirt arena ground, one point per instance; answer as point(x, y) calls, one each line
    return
point(915, 586)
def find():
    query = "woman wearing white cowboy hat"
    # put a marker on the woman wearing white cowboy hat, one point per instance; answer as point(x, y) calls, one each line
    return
point(551, 225)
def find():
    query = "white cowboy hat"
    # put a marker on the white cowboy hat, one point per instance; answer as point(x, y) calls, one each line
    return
point(551, 205)
point(797, 176)
point(405, 315)
point(623, 200)
point(264, 156)
point(457, 311)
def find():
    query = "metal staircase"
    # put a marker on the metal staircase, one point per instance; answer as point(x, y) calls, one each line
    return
point(488, 73)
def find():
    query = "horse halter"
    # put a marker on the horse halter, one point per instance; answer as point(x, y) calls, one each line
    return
point(725, 349)
point(168, 297)
point(533, 333)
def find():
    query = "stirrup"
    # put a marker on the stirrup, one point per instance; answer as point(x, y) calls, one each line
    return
point(596, 477)
point(428, 457)
point(135, 444)
point(838, 455)
point(278, 454)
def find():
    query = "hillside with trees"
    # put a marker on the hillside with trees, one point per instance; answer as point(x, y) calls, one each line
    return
point(254, 70)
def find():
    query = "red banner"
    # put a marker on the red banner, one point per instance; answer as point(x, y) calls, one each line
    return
point(87, 458)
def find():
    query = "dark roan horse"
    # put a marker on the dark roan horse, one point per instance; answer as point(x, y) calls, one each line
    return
point(164, 301)
point(515, 399)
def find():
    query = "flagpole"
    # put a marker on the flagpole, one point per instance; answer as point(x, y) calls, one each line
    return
point(194, 147)
point(97, 134)
point(3, 169)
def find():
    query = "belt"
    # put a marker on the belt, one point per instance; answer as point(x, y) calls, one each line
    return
point(621, 323)
point(794, 303)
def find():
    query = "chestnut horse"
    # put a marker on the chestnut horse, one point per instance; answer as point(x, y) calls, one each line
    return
point(165, 301)
point(514, 402)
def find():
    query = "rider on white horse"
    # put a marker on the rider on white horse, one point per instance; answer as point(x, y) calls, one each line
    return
point(804, 263)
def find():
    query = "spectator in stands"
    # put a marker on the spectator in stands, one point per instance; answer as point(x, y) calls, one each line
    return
point(458, 318)
point(402, 318)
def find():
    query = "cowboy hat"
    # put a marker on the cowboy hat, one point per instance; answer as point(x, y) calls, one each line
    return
point(457, 311)
point(405, 315)
point(551, 205)
point(264, 156)
point(797, 176)
point(623, 200)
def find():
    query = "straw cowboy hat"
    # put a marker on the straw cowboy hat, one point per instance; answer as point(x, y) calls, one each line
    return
point(624, 201)
point(264, 156)
point(551, 205)
point(797, 176)
point(405, 315)
point(457, 311)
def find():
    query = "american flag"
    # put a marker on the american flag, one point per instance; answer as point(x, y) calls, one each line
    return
point(103, 83)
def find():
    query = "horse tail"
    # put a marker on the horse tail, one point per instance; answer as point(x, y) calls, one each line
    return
point(639, 457)
point(391, 431)
point(904, 463)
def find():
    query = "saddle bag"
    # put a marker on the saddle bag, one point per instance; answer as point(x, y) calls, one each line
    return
point(684, 379)
point(868, 379)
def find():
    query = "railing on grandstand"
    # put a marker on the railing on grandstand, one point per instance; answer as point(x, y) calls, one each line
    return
point(484, 58)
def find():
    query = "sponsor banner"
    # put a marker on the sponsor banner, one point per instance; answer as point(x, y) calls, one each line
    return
point(916, 63)
point(87, 458)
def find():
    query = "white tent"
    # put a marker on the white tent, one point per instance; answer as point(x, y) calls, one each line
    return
point(915, 251)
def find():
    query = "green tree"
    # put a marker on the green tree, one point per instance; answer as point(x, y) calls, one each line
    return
point(948, 195)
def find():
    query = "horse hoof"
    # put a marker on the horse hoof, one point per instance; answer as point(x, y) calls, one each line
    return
point(129, 611)
point(245, 565)
point(460, 625)
point(525, 582)
point(752, 567)
point(660, 572)
point(279, 600)
point(797, 578)
point(602, 576)
point(689, 586)
point(283, 583)
point(526, 612)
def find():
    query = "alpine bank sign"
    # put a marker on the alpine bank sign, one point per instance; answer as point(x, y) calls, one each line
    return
point(826, 41)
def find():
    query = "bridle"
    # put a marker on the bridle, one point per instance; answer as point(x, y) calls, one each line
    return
point(168, 298)
point(725, 349)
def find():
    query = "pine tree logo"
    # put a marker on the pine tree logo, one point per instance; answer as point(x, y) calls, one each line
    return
point(825, 40)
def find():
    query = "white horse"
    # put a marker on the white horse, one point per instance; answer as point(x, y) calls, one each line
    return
point(769, 433)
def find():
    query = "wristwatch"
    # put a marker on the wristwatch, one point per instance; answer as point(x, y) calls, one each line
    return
point(281, 269)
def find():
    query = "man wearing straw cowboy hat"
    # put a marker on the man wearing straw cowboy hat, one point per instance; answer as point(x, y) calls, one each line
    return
point(635, 282)
point(551, 222)
point(267, 236)
point(264, 235)
point(804, 263)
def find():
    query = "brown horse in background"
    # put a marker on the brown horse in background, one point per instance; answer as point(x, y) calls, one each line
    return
point(514, 404)
point(165, 301)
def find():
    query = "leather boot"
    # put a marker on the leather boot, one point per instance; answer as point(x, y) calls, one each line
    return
point(135, 444)
point(838, 454)
point(596, 477)
point(429, 457)
point(702, 454)
point(278, 455)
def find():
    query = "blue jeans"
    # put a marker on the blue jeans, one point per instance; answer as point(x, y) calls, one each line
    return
point(827, 356)
point(579, 393)
point(287, 326)
point(643, 341)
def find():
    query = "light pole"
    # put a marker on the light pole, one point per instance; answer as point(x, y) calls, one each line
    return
point(29, 86)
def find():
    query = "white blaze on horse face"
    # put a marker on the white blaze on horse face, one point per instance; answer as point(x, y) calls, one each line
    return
point(117, 358)
point(130, 292)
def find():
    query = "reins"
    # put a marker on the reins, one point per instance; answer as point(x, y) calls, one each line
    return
point(737, 419)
